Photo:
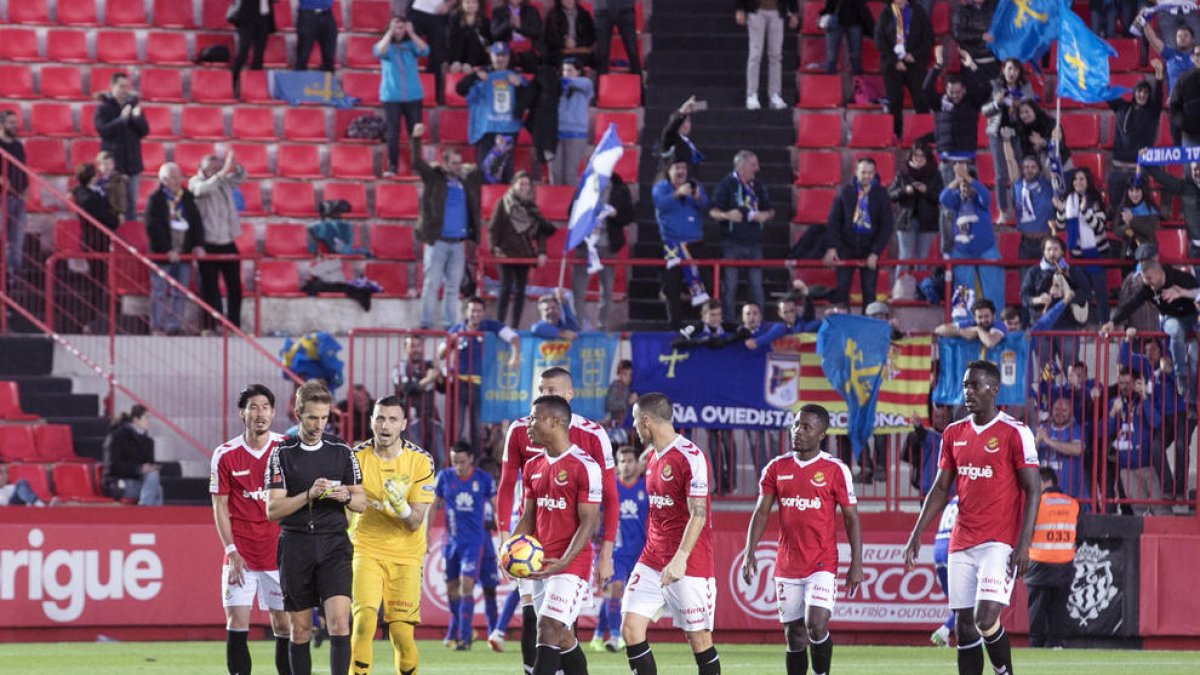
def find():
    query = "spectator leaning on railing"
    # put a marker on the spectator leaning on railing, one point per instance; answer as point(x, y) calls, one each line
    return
point(859, 228)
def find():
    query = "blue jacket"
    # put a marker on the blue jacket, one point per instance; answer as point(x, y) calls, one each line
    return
point(399, 80)
point(1166, 395)
point(492, 106)
point(573, 107)
point(680, 219)
point(1040, 199)
point(1131, 432)
point(550, 331)
point(982, 236)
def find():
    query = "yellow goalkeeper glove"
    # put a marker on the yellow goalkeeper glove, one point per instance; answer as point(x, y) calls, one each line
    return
point(397, 495)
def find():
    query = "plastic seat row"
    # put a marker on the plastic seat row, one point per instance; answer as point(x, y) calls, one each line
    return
point(69, 482)
point(874, 130)
point(37, 443)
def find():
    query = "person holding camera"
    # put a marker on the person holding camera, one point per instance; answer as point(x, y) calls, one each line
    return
point(121, 126)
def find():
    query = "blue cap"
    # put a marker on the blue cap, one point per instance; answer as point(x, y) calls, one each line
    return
point(499, 48)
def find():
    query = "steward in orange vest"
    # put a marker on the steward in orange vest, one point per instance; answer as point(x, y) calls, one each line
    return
point(1051, 568)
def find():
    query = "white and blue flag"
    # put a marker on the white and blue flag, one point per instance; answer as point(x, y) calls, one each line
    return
point(590, 209)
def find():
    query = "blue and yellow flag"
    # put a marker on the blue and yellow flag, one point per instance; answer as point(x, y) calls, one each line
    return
point(1024, 29)
point(854, 353)
point(1083, 62)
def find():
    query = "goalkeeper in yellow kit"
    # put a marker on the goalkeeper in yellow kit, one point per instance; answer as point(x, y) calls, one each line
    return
point(389, 538)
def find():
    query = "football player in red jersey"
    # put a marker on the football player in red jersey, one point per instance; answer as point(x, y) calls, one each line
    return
point(809, 485)
point(236, 483)
point(991, 458)
point(563, 489)
point(675, 572)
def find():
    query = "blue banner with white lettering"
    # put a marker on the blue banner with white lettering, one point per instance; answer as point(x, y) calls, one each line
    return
point(854, 351)
point(508, 392)
point(309, 86)
point(1168, 155)
point(1011, 356)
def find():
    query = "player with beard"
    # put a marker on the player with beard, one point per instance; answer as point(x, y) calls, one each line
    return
point(250, 569)
point(991, 459)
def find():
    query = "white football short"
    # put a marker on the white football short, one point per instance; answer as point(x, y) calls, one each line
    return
point(561, 597)
point(264, 585)
point(525, 588)
point(691, 601)
point(794, 596)
point(979, 573)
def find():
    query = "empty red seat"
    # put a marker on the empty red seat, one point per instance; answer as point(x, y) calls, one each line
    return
point(212, 86)
point(63, 82)
point(627, 126)
point(83, 150)
point(253, 124)
point(1093, 161)
point(916, 126)
point(189, 155)
point(618, 90)
point(870, 130)
point(452, 126)
point(360, 52)
point(1007, 243)
point(127, 13)
point(34, 475)
point(73, 482)
point(203, 122)
point(100, 78)
point(278, 278)
point(252, 157)
point(819, 130)
point(1126, 58)
point(54, 443)
point(354, 193)
point(812, 205)
point(254, 87)
point(363, 86)
point(19, 44)
point(393, 277)
point(352, 161)
point(46, 155)
point(174, 14)
point(28, 11)
point(489, 195)
point(820, 91)
point(304, 124)
point(69, 46)
point(276, 53)
point(554, 201)
point(298, 160)
point(819, 168)
point(252, 196)
point(161, 85)
point(167, 48)
point(116, 46)
point(369, 16)
point(16, 81)
point(1171, 244)
point(16, 443)
point(284, 240)
point(52, 119)
point(10, 403)
point(450, 90)
point(396, 200)
point(145, 187)
point(1081, 130)
point(391, 242)
point(293, 199)
point(67, 235)
point(161, 121)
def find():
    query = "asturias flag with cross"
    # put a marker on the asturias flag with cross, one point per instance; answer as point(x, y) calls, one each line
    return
point(1083, 61)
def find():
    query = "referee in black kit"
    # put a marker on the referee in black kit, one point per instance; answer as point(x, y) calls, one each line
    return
point(312, 478)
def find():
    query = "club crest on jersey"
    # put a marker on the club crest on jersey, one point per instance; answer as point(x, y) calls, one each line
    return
point(992, 444)
point(561, 478)
point(667, 474)
point(818, 479)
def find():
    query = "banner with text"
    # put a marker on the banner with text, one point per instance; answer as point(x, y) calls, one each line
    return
point(1010, 355)
point(735, 388)
point(507, 392)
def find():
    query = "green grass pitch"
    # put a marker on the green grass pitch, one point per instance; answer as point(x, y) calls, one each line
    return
point(207, 658)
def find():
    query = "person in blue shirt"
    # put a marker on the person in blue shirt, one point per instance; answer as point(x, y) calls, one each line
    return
point(679, 208)
point(631, 538)
point(469, 367)
point(464, 491)
point(971, 235)
point(492, 106)
point(1178, 60)
point(1060, 447)
point(1158, 370)
point(984, 328)
point(1133, 418)
point(557, 320)
point(315, 25)
point(1032, 198)
point(400, 88)
point(489, 567)
point(941, 557)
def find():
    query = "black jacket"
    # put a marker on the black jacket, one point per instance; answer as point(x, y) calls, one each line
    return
point(1136, 127)
point(1189, 196)
point(1043, 123)
point(621, 199)
point(529, 24)
point(122, 136)
point(917, 42)
point(1037, 281)
point(840, 232)
point(968, 27)
point(786, 7)
point(1184, 105)
point(1180, 308)
point(96, 206)
point(246, 12)
point(468, 44)
point(17, 180)
point(672, 146)
point(541, 97)
point(955, 129)
point(919, 209)
point(126, 449)
point(556, 27)
point(158, 222)
point(851, 13)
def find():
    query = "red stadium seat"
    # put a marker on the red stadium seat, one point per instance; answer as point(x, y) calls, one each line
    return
point(429, 88)
point(812, 205)
point(820, 91)
point(627, 167)
point(116, 46)
point(293, 199)
point(19, 44)
point(360, 52)
point(627, 126)
point(52, 119)
point(870, 130)
point(247, 241)
point(10, 403)
point(352, 161)
point(554, 201)
point(916, 126)
point(391, 242)
point(282, 240)
point(1093, 161)
point(1172, 244)
point(397, 200)
point(986, 169)
point(188, 156)
point(276, 53)
point(68, 46)
point(67, 235)
point(252, 157)
point(46, 155)
point(254, 124)
point(55, 443)
point(174, 14)
point(16, 81)
point(488, 198)
point(206, 40)
point(452, 126)
point(169, 49)
point(304, 124)
point(73, 483)
point(212, 15)
point(811, 17)
point(354, 193)
point(819, 130)
point(1081, 130)
point(62, 82)
point(145, 187)
point(254, 87)
point(203, 122)
point(126, 13)
point(819, 168)
point(83, 150)
point(28, 12)
point(161, 85)
point(619, 91)
point(941, 18)
point(393, 277)
point(1008, 243)
point(160, 120)
point(252, 196)
point(100, 78)
point(16, 443)
point(298, 160)
point(363, 86)
point(885, 164)
point(34, 475)
point(369, 16)
point(278, 278)
point(212, 86)
point(1126, 59)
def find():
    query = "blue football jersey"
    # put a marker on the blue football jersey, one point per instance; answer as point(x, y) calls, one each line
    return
point(631, 525)
point(941, 542)
point(465, 500)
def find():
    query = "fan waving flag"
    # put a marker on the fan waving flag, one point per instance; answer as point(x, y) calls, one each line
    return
point(1083, 62)
point(854, 353)
point(590, 207)
point(1024, 29)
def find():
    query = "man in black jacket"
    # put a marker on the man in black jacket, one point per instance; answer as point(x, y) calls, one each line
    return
point(743, 208)
point(1188, 189)
point(121, 125)
point(254, 21)
point(859, 227)
point(675, 141)
point(1184, 105)
point(904, 53)
point(970, 29)
point(174, 228)
point(1046, 282)
point(1135, 127)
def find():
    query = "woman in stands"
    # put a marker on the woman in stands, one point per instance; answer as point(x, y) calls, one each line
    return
point(130, 473)
point(1081, 213)
point(1008, 92)
point(470, 36)
point(400, 88)
point(517, 230)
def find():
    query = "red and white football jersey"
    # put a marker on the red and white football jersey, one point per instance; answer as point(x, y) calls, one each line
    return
point(985, 461)
point(558, 485)
point(238, 471)
point(674, 474)
point(584, 433)
point(808, 493)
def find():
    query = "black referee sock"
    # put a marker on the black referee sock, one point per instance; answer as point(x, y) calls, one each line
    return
point(708, 662)
point(822, 654)
point(528, 637)
point(574, 662)
point(999, 650)
point(641, 659)
point(300, 658)
point(797, 662)
point(970, 658)
point(339, 654)
point(548, 661)
point(237, 652)
point(282, 667)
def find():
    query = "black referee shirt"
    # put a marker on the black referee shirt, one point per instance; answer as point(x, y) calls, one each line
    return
point(295, 467)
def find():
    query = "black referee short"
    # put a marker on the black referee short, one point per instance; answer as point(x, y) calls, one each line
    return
point(313, 568)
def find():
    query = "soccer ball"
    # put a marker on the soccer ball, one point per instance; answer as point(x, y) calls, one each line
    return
point(521, 556)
